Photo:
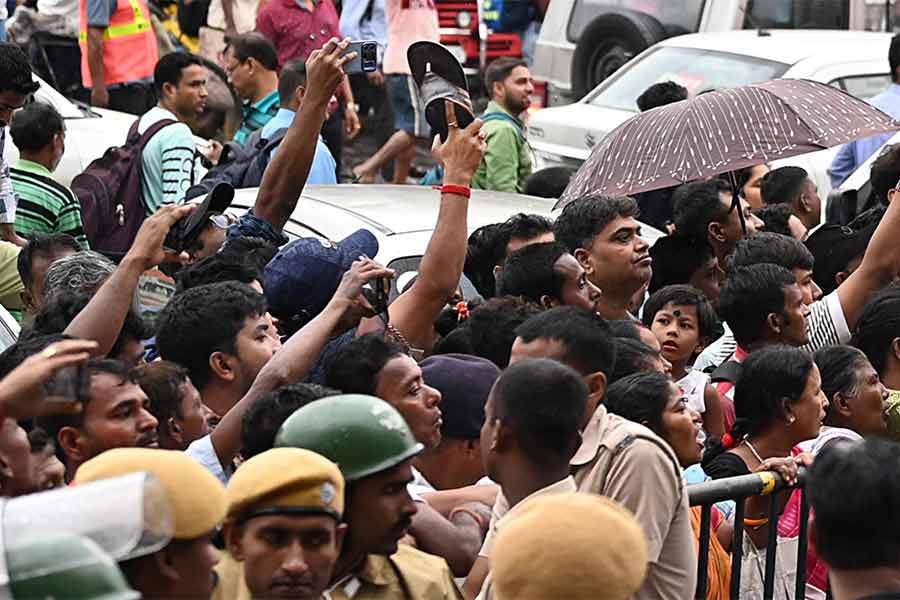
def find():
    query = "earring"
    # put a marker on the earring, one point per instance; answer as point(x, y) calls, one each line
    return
point(791, 420)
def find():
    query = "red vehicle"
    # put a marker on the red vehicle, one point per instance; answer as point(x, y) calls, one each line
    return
point(465, 32)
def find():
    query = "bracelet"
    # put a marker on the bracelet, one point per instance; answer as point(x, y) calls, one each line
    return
point(459, 190)
point(756, 522)
point(464, 509)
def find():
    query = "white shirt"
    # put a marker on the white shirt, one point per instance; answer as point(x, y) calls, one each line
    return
point(693, 386)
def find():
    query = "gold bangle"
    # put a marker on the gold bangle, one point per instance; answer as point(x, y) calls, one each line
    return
point(465, 509)
point(756, 522)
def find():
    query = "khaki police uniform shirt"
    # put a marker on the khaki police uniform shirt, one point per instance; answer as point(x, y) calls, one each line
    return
point(408, 574)
point(628, 463)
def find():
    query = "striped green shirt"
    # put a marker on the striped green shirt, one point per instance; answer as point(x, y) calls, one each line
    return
point(45, 205)
point(256, 115)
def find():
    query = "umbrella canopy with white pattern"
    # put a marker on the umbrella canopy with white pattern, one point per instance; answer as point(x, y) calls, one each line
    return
point(722, 131)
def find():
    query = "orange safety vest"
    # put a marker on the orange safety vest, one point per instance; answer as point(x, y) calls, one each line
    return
point(129, 44)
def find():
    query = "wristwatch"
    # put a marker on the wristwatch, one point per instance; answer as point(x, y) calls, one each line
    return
point(353, 106)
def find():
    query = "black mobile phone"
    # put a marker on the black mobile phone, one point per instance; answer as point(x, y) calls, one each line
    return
point(377, 295)
point(366, 60)
point(65, 385)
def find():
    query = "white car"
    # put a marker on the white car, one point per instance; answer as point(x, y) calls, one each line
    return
point(402, 217)
point(853, 61)
point(584, 41)
point(89, 132)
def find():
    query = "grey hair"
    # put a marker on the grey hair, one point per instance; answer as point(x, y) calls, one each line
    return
point(83, 271)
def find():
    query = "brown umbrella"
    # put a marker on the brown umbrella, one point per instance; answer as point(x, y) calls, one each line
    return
point(721, 131)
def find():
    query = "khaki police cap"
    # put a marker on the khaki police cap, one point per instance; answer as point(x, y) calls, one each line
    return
point(196, 497)
point(286, 480)
point(574, 546)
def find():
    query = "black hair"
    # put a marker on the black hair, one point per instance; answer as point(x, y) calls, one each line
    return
point(782, 185)
point(859, 529)
point(16, 354)
point(583, 220)
point(878, 327)
point(632, 356)
point(169, 69)
point(61, 309)
point(749, 296)
point(589, 346)
point(458, 341)
point(894, 57)
point(499, 70)
point(547, 432)
point(255, 250)
point(265, 416)
point(44, 245)
point(450, 319)
point(777, 218)
point(354, 369)
point(885, 173)
point(530, 272)
point(772, 248)
point(839, 367)
point(290, 79)
point(640, 397)
point(162, 380)
point(204, 320)
point(524, 226)
point(15, 71)
point(625, 328)
point(768, 377)
point(676, 258)
point(697, 204)
point(683, 295)
point(660, 94)
point(34, 126)
point(253, 45)
point(485, 249)
point(492, 327)
point(548, 183)
point(215, 269)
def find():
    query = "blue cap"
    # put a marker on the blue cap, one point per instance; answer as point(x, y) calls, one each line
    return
point(304, 275)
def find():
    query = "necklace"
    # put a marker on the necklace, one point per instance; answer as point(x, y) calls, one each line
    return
point(753, 450)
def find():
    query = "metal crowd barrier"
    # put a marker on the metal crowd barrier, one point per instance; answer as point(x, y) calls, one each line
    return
point(738, 489)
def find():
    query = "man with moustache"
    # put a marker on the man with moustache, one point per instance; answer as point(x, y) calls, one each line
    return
point(374, 447)
point(507, 160)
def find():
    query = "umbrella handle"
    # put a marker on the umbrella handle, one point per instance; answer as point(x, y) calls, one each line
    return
point(736, 202)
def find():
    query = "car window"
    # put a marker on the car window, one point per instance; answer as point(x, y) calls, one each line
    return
point(863, 86)
point(697, 70)
point(797, 14)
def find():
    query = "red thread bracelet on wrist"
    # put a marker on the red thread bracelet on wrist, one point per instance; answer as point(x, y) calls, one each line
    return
point(459, 190)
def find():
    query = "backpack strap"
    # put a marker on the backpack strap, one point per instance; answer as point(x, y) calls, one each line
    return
point(134, 139)
point(502, 116)
point(728, 372)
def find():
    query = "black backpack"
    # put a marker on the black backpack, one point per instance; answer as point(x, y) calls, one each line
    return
point(111, 194)
point(240, 166)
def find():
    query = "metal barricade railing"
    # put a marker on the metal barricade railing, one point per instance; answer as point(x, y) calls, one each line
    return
point(739, 489)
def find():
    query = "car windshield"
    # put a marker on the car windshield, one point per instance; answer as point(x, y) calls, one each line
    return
point(697, 70)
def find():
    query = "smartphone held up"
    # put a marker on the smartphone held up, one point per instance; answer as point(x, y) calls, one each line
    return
point(366, 60)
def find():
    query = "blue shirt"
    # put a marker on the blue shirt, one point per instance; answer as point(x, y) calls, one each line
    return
point(354, 26)
point(853, 154)
point(323, 166)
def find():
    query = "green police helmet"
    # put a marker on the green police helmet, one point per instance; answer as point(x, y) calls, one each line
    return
point(64, 565)
point(362, 434)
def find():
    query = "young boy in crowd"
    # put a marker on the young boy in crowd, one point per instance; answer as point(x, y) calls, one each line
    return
point(683, 321)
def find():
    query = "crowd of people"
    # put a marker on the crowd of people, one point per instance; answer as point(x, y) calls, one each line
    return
point(309, 438)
